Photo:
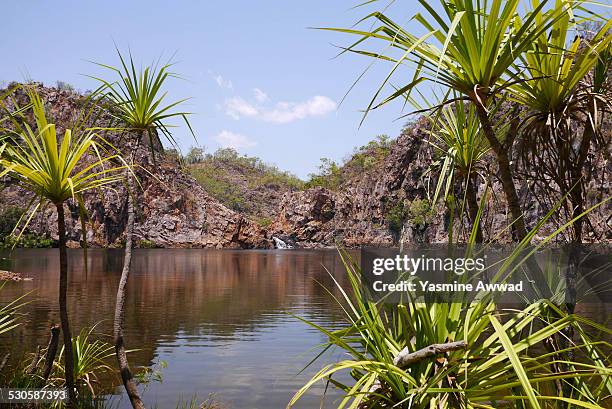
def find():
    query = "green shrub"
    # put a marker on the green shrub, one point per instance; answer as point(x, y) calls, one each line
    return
point(147, 244)
point(330, 176)
point(396, 217)
point(9, 218)
point(31, 241)
point(420, 212)
point(264, 222)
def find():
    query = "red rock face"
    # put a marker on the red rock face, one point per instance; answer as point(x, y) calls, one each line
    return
point(175, 211)
point(172, 209)
point(355, 214)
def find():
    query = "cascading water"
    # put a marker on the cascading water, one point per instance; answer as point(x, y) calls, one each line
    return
point(279, 244)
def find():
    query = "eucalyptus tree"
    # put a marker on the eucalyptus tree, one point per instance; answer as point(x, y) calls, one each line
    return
point(470, 47)
point(137, 101)
point(56, 169)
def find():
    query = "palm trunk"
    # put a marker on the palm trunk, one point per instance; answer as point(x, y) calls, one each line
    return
point(124, 368)
point(505, 173)
point(472, 202)
point(63, 287)
point(575, 254)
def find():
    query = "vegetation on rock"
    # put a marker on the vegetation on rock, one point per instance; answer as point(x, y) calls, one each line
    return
point(242, 183)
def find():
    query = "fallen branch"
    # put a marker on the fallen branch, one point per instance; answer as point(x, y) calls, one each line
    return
point(51, 351)
point(406, 358)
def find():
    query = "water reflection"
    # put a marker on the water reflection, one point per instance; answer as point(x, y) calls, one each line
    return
point(219, 317)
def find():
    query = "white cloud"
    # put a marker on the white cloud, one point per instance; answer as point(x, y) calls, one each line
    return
point(260, 96)
point(222, 82)
point(229, 139)
point(282, 112)
point(237, 107)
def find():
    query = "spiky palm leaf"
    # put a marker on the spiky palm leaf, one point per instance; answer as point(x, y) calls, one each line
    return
point(554, 72)
point(91, 357)
point(138, 98)
point(55, 168)
point(470, 46)
point(459, 143)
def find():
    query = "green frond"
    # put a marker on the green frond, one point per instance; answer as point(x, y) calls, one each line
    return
point(138, 99)
point(53, 167)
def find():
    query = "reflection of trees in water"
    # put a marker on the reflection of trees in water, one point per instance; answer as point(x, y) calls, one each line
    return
point(209, 294)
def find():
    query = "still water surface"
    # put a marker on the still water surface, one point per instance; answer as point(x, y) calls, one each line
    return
point(222, 319)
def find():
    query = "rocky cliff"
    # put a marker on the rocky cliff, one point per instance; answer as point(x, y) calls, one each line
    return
point(173, 209)
point(378, 198)
point(387, 203)
point(356, 212)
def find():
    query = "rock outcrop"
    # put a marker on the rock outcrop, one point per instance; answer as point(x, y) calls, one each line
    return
point(172, 211)
point(355, 214)
point(374, 204)
point(363, 210)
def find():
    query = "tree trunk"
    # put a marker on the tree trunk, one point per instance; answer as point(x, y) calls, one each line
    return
point(505, 173)
point(63, 287)
point(51, 351)
point(124, 368)
point(577, 194)
point(472, 202)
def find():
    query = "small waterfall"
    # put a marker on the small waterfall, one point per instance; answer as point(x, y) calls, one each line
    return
point(279, 244)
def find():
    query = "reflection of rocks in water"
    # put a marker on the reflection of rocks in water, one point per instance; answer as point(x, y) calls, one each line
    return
point(11, 276)
point(214, 294)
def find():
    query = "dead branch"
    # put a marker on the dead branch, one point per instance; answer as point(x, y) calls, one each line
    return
point(406, 358)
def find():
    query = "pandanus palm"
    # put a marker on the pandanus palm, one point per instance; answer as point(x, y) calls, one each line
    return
point(470, 48)
point(560, 100)
point(137, 100)
point(461, 147)
point(56, 169)
point(565, 101)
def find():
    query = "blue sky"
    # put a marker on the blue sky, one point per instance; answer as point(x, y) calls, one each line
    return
point(260, 79)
